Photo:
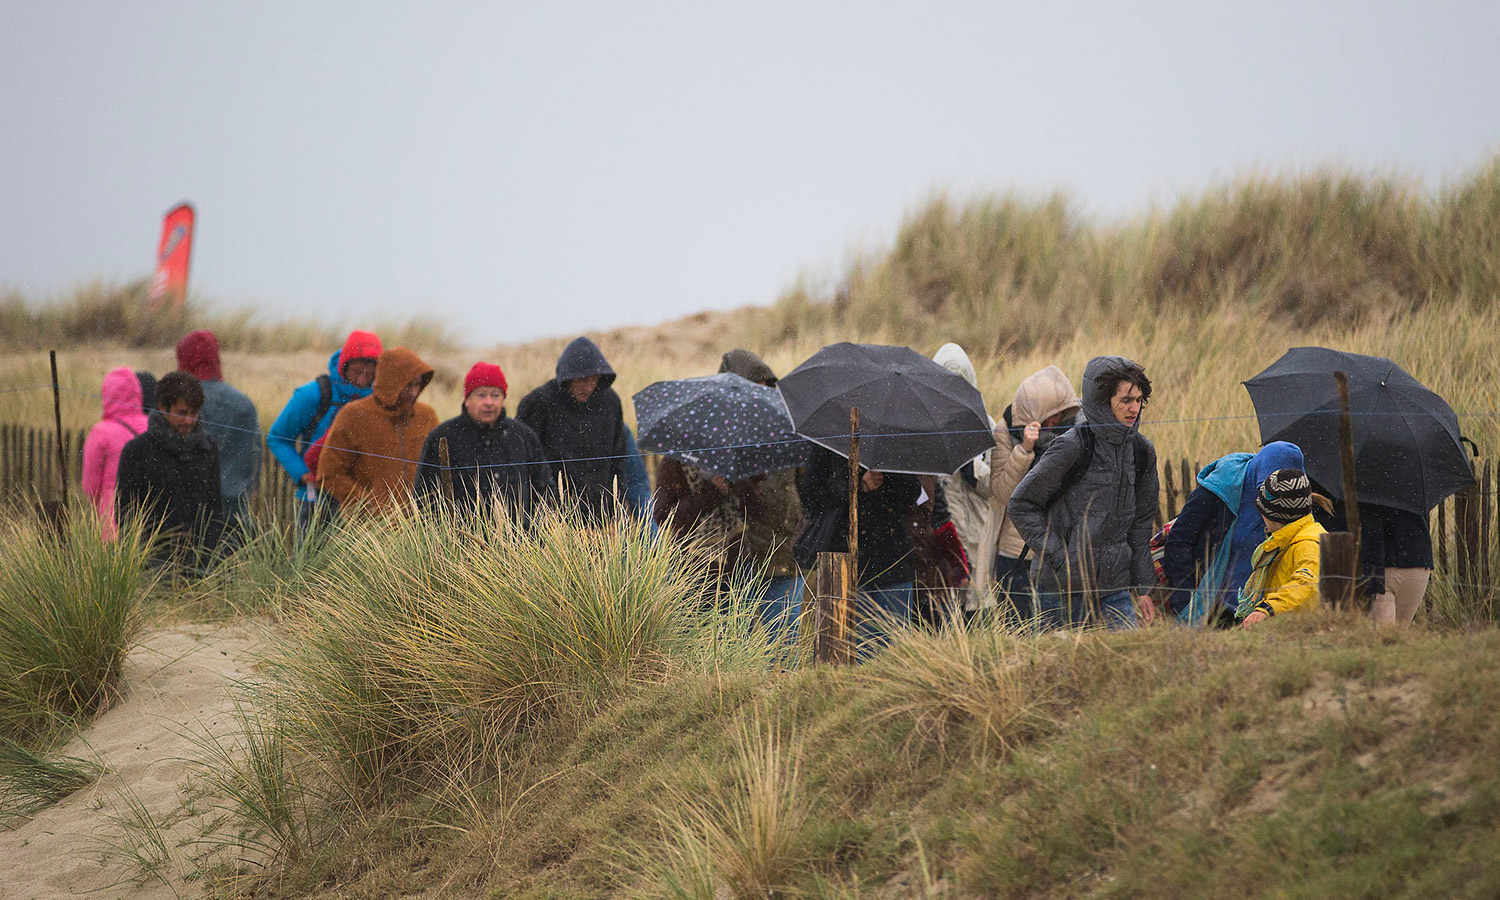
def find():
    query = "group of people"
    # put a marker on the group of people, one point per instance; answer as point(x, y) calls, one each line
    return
point(1054, 525)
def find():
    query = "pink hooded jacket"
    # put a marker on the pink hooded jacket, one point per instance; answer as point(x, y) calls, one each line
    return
point(122, 421)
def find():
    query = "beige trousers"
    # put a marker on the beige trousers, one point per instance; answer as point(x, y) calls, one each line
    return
point(1404, 589)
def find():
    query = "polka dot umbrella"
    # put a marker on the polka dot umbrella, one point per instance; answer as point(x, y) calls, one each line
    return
point(722, 423)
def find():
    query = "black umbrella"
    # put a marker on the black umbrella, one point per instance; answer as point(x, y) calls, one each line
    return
point(722, 423)
point(915, 416)
point(1408, 452)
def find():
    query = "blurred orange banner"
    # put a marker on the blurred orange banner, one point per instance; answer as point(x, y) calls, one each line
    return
point(169, 285)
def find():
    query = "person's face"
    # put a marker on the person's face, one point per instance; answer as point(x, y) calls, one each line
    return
point(581, 389)
point(360, 372)
point(484, 404)
point(1271, 527)
point(182, 417)
point(1126, 403)
point(410, 393)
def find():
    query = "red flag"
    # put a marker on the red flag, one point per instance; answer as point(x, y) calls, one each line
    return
point(169, 285)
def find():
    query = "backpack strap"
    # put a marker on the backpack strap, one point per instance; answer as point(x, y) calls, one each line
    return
point(1075, 473)
point(325, 403)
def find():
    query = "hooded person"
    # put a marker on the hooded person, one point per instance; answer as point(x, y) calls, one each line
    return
point(1285, 567)
point(1207, 553)
point(579, 420)
point(1087, 509)
point(968, 494)
point(311, 409)
point(229, 419)
point(169, 477)
point(1045, 405)
point(370, 453)
point(122, 421)
point(493, 457)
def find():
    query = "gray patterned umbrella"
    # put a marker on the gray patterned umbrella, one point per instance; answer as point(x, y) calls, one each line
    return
point(722, 423)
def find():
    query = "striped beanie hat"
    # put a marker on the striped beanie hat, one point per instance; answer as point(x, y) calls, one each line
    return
point(1285, 496)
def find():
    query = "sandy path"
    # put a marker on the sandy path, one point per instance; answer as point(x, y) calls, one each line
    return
point(175, 687)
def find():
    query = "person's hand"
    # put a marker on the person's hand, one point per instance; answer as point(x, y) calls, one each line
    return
point(721, 484)
point(1031, 435)
point(870, 481)
point(309, 479)
point(1259, 615)
point(1148, 608)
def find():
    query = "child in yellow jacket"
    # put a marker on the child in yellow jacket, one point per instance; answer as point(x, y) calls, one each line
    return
point(1284, 569)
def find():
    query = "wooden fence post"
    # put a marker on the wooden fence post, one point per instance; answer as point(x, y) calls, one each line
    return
point(833, 610)
point(1338, 561)
point(1171, 491)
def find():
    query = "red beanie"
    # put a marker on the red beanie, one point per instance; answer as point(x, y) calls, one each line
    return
point(198, 355)
point(484, 375)
point(360, 345)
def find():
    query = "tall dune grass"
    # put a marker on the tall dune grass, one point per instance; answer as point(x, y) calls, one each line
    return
point(122, 315)
point(430, 640)
point(69, 611)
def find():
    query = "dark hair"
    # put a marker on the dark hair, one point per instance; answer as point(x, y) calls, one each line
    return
point(1110, 382)
point(178, 385)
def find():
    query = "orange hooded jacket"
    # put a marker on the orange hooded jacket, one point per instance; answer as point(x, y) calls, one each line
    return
point(371, 450)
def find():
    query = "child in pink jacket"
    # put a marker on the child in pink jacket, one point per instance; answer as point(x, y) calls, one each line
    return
point(122, 421)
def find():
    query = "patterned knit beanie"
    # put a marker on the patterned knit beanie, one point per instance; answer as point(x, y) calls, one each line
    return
point(1285, 496)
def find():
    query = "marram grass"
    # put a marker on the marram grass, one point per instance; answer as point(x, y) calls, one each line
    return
point(69, 611)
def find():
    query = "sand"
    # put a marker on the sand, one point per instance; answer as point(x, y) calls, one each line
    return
point(175, 684)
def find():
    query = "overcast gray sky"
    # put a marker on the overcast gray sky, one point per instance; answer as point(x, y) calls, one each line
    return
point(534, 169)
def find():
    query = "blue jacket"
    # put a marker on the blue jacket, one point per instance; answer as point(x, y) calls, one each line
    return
point(286, 435)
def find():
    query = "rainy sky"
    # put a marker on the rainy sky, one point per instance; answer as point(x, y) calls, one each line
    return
point(530, 169)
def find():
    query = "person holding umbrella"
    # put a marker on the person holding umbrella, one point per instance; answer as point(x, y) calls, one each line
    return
point(915, 418)
point(887, 565)
point(1395, 558)
point(1088, 507)
point(1408, 457)
point(728, 470)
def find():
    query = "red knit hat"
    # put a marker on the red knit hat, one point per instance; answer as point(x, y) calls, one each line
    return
point(360, 345)
point(484, 375)
point(198, 355)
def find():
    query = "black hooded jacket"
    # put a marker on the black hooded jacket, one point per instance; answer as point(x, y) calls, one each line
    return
point(585, 440)
point(173, 480)
point(504, 459)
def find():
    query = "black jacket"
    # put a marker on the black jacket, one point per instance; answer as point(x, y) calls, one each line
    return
point(885, 551)
point(585, 440)
point(504, 459)
point(172, 480)
point(1388, 538)
point(1197, 532)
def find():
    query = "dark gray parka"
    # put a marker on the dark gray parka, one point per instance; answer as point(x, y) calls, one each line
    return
point(1096, 534)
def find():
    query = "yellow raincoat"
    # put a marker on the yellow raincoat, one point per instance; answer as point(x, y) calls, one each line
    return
point(1284, 571)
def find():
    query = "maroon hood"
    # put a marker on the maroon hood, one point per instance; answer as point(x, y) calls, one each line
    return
point(198, 355)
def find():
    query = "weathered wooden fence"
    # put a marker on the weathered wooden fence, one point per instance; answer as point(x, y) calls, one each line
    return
point(29, 473)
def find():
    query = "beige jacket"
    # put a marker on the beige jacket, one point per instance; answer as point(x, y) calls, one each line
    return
point(1042, 395)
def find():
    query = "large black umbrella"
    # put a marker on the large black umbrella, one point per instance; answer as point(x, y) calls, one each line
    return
point(722, 423)
point(915, 416)
point(1408, 452)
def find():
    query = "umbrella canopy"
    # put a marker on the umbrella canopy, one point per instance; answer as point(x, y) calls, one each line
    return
point(915, 416)
point(722, 423)
point(1407, 446)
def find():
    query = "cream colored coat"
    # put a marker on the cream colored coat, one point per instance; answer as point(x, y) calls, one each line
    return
point(970, 507)
point(1042, 395)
